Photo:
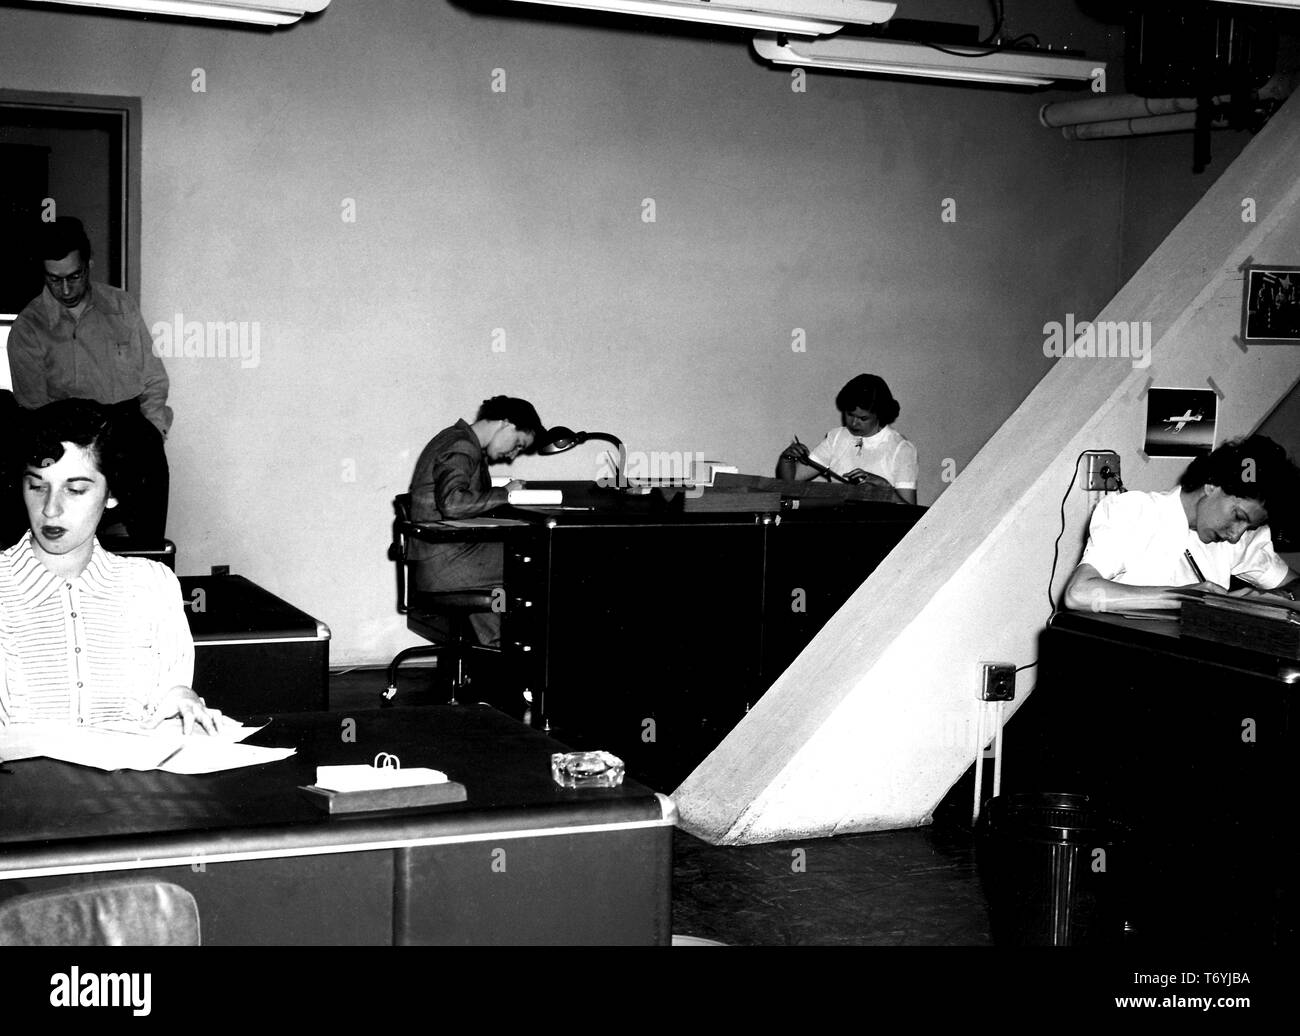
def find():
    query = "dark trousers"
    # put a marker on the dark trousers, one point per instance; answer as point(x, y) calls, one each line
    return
point(465, 566)
point(143, 489)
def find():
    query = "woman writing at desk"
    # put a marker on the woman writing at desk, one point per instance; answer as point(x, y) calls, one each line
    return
point(86, 637)
point(865, 450)
point(1143, 547)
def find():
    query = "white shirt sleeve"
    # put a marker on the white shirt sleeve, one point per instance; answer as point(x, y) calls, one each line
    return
point(1108, 538)
point(173, 642)
point(823, 454)
point(905, 466)
point(1259, 563)
point(4, 682)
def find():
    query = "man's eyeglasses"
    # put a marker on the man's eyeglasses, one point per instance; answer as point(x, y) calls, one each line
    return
point(72, 280)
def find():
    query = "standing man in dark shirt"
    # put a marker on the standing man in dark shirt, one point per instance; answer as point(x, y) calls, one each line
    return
point(78, 340)
point(451, 480)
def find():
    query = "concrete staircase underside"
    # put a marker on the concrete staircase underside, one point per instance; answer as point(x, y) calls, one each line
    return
point(875, 721)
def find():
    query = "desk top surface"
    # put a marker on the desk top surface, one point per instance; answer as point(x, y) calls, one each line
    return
point(50, 808)
point(1166, 635)
point(219, 607)
point(587, 503)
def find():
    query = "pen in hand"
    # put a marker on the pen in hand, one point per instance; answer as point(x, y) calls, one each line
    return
point(1200, 576)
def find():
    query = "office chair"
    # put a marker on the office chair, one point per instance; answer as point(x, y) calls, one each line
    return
point(422, 607)
point(130, 912)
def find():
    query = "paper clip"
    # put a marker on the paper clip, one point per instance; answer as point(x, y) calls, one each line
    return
point(385, 761)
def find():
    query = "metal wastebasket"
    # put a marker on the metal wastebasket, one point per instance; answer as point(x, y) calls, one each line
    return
point(1050, 864)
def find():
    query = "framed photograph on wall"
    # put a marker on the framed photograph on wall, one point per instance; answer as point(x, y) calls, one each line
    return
point(1270, 305)
point(1180, 422)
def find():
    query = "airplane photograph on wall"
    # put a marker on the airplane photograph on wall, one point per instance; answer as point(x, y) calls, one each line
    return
point(1180, 422)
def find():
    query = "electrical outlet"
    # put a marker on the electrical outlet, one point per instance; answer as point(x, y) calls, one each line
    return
point(999, 681)
point(221, 570)
point(1102, 472)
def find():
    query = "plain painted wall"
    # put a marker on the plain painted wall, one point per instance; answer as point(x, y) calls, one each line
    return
point(1159, 190)
point(523, 211)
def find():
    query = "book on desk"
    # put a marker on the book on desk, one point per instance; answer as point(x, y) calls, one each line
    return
point(1268, 624)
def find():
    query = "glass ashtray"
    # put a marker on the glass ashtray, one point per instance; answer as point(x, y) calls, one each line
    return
point(587, 770)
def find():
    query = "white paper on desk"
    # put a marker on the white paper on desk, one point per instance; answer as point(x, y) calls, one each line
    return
point(228, 730)
point(210, 753)
point(537, 497)
point(204, 754)
point(360, 777)
point(128, 746)
point(88, 746)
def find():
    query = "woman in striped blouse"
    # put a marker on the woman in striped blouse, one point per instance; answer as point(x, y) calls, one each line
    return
point(87, 637)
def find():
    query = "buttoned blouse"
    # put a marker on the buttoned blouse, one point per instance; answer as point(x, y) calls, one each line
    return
point(97, 648)
point(886, 453)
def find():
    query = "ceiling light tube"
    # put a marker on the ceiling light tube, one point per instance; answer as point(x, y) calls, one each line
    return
point(800, 17)
point(887, 57)
point(1293, 5)
point(251, 12)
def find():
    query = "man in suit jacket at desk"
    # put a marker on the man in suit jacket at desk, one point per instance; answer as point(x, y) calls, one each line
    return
point(451, 480)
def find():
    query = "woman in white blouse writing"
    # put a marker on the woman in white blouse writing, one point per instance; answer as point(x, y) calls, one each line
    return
point(87, 637)
point(865, 450)
point(1211, 528)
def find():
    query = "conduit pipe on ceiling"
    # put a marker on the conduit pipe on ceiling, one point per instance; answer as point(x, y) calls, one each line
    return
point(1111, 109)
point(1181, 123)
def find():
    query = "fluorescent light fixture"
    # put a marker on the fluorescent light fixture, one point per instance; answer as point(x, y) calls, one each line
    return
point(801, 17)
point(857, 54)
point(252, 12)
point(1293, 5)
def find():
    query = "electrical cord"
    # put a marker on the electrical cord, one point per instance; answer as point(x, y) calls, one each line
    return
point(985, 48)
point(993, 34)
point(1056, 547)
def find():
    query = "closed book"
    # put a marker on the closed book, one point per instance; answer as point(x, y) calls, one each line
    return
point(385, 798)
point(1249, 624)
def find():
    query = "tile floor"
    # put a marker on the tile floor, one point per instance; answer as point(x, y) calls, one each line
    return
point(898, 888)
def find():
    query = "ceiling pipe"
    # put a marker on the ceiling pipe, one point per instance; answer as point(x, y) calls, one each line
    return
point(1110, 109)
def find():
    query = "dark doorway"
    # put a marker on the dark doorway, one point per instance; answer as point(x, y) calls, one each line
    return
point(68, 155)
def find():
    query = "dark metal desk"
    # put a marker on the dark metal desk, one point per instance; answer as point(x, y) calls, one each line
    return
point(242, 632)
point(1190, 743)
point(650, 630)
point(521, 862)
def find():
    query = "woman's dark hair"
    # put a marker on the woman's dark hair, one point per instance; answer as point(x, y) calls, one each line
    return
point(519, 412)
point(81, 422)
point(1255, 469)
point(871, 394)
